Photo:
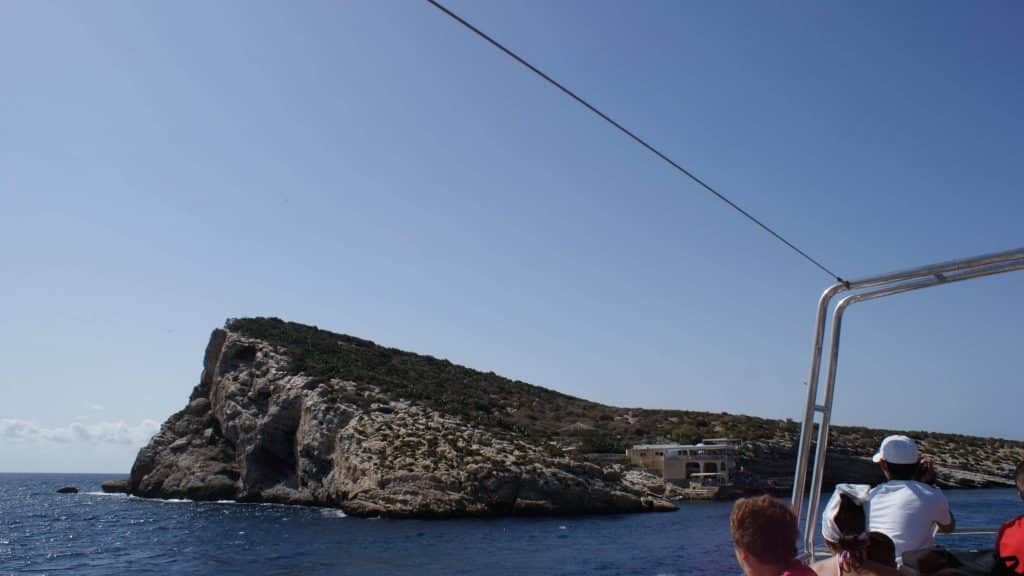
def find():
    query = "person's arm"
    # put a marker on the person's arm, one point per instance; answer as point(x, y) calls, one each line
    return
point(926, 474)
point(944, 515)
point(926, 471)
point(947, 528)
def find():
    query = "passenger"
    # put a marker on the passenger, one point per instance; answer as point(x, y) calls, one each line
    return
point(1010, 541)
point(881, 549)
point(1010, 545)
point(764, 536)
point(844, 525)
point(903, 508)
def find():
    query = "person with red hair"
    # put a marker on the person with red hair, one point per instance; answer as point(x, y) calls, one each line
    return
point(764, 534)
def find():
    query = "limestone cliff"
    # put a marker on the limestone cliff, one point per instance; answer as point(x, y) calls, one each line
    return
point(256, 429)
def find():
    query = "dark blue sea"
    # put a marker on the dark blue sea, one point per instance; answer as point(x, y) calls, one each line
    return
point(42, 532)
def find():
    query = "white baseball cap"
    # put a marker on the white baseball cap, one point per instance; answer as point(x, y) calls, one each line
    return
point(897, 449)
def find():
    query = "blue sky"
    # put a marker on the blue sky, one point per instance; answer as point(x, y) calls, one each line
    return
point(373, 168)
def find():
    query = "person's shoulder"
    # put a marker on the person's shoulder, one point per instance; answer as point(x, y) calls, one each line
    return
point(1010, 541)
point(875, 569)
point(880, 488)
point(928, 489)
point(887, 487)
point(931, 496)
point(799, 569)
point(824, 567)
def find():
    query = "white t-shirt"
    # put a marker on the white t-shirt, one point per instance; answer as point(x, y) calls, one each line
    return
point(906, 511)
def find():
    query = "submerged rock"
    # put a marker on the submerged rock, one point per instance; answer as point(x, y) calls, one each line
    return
point(67, 490)
point(257, 430)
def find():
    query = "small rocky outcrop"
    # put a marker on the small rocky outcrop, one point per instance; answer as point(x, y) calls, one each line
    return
point(651, 484)
point(67, 490)
point(118, 486)
point(257, 430)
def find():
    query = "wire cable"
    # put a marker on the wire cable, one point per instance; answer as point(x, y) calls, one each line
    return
point(636, 138)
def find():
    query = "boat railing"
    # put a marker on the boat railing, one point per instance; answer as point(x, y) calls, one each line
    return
point(821, 551)
point(968, 532)
point(864, 289)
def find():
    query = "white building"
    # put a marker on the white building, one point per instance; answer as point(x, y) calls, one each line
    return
point(704, 463)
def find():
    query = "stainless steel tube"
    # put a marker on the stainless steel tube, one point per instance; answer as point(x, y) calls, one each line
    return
point(948, 278)
point(939, 268)
point(807, 427)
point(817, 477)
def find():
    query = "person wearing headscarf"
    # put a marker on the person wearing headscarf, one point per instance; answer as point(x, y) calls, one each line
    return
point(844, 526)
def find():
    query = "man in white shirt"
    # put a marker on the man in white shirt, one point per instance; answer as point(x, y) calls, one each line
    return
point(903, 508)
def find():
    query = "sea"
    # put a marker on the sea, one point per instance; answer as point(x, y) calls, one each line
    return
point(42, 532)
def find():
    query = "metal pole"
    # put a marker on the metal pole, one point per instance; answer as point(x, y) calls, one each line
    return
point(940, 268)
point(826, 419)
point(807, 427)
point(981, 272)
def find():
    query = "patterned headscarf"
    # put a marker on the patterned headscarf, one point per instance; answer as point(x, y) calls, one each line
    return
point(856, 492)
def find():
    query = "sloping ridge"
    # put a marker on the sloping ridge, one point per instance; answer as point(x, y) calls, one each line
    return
point(290, 413)
point(541, 415)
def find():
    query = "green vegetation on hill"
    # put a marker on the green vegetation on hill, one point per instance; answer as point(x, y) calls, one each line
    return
point(540, 415)
point(480, 397)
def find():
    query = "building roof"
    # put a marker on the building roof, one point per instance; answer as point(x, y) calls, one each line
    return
point(682, 446)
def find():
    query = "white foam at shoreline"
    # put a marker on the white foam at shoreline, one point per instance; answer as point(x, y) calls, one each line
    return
point(163, 500)
point(326, 512)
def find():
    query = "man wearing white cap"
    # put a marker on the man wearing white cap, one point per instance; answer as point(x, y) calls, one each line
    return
point(903, 508)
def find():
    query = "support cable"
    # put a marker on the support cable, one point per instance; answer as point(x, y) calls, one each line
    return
point(636, 138)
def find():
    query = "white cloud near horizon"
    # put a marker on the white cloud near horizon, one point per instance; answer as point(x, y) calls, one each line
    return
point(104, 432)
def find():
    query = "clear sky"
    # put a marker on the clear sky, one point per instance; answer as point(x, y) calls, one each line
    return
point(375, 169)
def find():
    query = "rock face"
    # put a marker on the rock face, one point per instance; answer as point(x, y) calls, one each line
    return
point(776, 460)
point(254, 430)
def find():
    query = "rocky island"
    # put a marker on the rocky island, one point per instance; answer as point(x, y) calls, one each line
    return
point(293, 414)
